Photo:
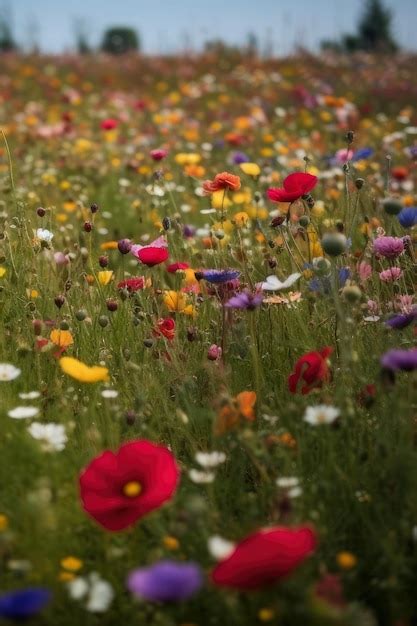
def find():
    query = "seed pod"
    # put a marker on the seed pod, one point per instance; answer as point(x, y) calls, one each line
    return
point(334, 244)
point(81, 315)
point(40, 211)
point(103, 320)
point(64, 325)
point(59, 301)
point(94, 208)
point(103, 261)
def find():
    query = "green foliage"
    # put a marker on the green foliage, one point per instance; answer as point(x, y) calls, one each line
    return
point(119, 40)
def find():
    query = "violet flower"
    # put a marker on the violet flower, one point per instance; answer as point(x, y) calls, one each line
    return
point(402, 321)
point(23, 603)
point(165, 581)
point(397, 359)
point(245, 300)
point(389, 247)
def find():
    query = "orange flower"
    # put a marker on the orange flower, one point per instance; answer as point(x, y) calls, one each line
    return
point(61, 338)
point(225, 180)
point(231, 414)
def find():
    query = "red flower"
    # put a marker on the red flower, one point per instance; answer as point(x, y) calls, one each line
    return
point(295, 186)
point(165, 327)
point(174, 267)
point(132, 284)
point(265, 557)
point(158, 155)
point(153, 254)
point(399, 173)
point(311, 369)
point(118, 489)
point(109, 124)
point(329, 588)
point(225, 180)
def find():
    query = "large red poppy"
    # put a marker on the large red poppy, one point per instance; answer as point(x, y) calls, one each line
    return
point(294, 186)
point(119, 488)
point(264, 557)
point(109, 124)
point(311, 370)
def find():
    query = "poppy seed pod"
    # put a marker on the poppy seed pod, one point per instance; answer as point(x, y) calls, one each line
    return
point(359, 183)
point(334, 244)
point(103, 320)
point(392, 206)
point(81, 315)
point(304, 221)
point(64, 325)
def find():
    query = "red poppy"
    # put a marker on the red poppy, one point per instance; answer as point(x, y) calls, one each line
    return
point(153, 254)
point(264, 557)
point(108, 124)
point(119, 488)
point(294, 186)
point(400, 173)
point(311, 369)
point(132, 284)
point(224, 180)
point(174, 267)
point(165, 327)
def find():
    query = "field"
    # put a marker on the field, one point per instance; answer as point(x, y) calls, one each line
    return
point(208, 340)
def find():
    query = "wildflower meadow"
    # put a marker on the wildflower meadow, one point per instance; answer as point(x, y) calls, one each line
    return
point(208, 340)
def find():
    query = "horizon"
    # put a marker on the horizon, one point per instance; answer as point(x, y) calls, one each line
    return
point(279, 25)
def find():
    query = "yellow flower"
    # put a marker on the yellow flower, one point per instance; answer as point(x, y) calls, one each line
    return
point(105, 277)
point(32, 293)
point(187, 158)
point(109, 245)
point(2, 271)
point(81, 372)
point(266, 615)
point(346, 560)
point(4, 522)
point(219, 199)
point(66, 577)
point(171, 543)
point(71, 563)
point(176, 301)
point(241, 219)
point(61, 338)
point(251, 169)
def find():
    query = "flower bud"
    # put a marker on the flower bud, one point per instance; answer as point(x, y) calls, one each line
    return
point(103, 261)
point(392, 206)
point(214, 352)
point(94, 208)
point(111, 305)
point(40, 211)
point(124, 246)
point(81, 315)
point(359, 183)
point(88, 227)
point(59, 301)
point(351, 293)
point(334, 244)
point(103, 320)
point(64, 325)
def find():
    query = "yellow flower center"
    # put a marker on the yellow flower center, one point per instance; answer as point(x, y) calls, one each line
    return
point(132, 489)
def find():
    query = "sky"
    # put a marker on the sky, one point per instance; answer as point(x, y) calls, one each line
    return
point(169, 25)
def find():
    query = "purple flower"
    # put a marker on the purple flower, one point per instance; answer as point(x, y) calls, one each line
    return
point(188, 231)
point(165, 581)
point(245, 300)
point(389, 247)
point(397, 359)
point(402, 321)
point(23, 603)
point(124, 246)
point(219, 276)
point(240, 157)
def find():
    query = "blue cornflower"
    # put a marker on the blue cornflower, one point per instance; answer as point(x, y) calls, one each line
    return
point(408, 216)
point(23, 603)
point(166, 581)
point(219, 276)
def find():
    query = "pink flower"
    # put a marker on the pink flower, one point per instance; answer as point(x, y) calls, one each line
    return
point(158, 155)
point(389, 247)
point(343, 155)
point(390, 275)
point(214, 352)
point(405, 304)
point(373, 307)
point(364, 271)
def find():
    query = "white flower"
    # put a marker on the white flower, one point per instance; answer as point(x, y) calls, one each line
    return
point(273, 283)
point(295, 492)
point(44, 235)
point(286, 482)
point(52, 436)
point(109, 393)
point(30, 395)
point(23, 412)
point(321, 414)
point(97, 592)
point(201, 477)
point(210, 459)
point(8, 372)
point(220, 548)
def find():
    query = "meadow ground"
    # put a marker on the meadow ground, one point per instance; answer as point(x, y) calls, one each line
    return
point(208, 340)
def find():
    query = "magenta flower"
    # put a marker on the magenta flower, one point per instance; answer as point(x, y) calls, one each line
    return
point(388, 247)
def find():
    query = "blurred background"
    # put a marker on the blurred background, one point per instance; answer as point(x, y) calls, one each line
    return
point(266, 27)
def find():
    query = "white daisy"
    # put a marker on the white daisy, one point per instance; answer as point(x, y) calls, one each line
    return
point(52, 436)
point(321, 414)
point(97, 592)
point(8, 372)
point(109, 393)
point(30, 395)
point(286, 482)
point(210, 459)
point(273, 283)
point(44, 235)
point(23, 412)
point(220, 548)
point(201, 477)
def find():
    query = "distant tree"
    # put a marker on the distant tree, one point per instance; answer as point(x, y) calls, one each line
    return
point(373, 32)
point(252, 44)
point(374, 29)
point(81, 36)
point(7, 42)
point(119, 40)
